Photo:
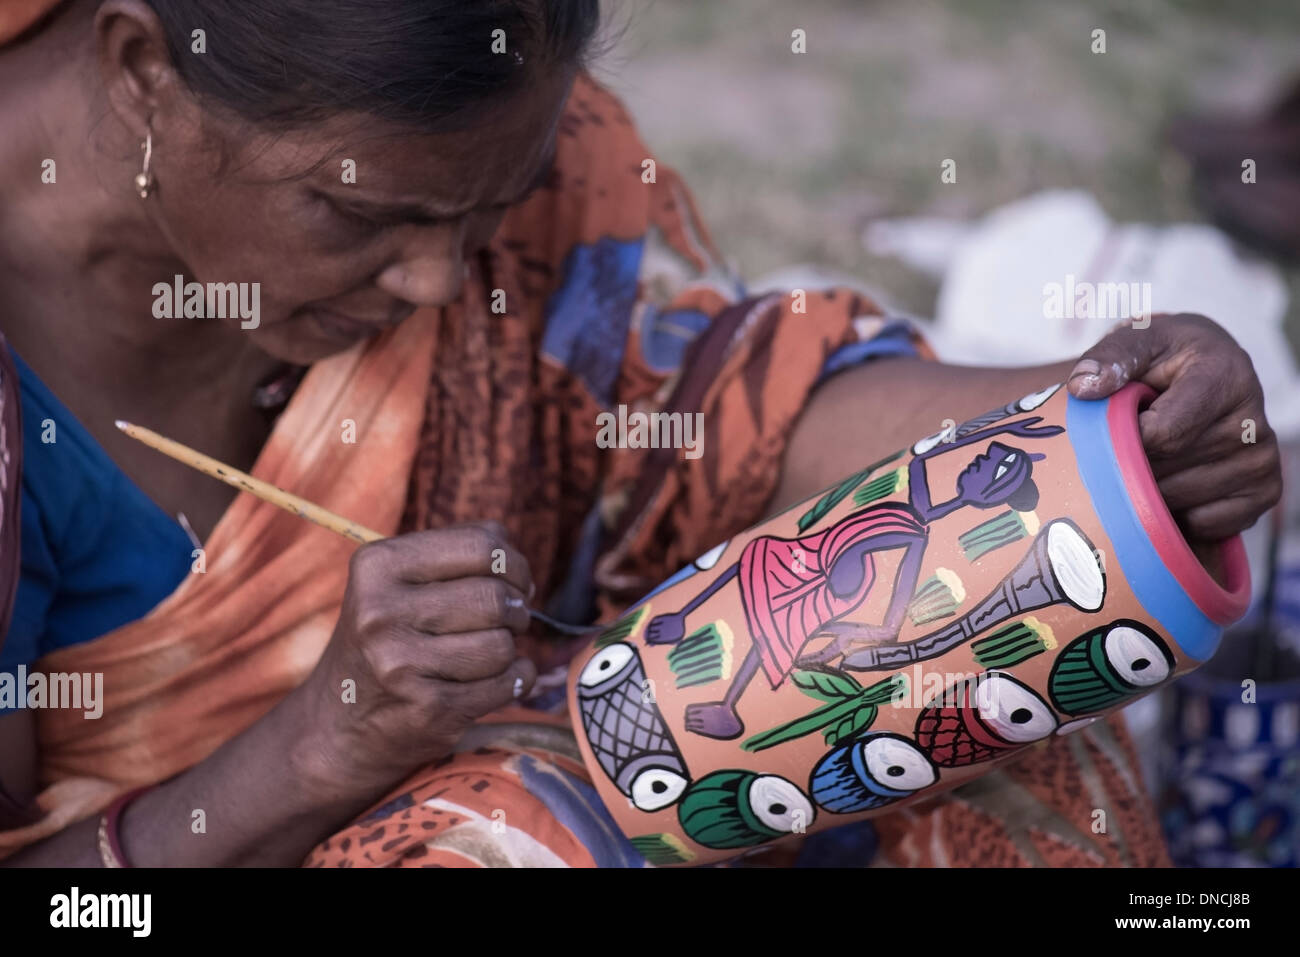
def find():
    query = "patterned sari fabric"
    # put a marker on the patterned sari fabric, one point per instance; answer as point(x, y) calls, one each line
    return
point(517, 795)
point(613, 297)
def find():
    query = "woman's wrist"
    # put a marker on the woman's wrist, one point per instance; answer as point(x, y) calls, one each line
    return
point(259, 800)
point(326, 769)
point(265, 798)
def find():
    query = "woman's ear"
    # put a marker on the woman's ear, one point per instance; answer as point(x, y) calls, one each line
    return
point(135, 65)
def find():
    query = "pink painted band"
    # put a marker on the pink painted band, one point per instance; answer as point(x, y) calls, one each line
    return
point(1222, 604)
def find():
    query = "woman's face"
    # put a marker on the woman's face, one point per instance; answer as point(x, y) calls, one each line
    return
point(341, 255)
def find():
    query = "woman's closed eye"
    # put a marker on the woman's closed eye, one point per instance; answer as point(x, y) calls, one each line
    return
point(354, 221)
point(353, 218)
point(371, 222)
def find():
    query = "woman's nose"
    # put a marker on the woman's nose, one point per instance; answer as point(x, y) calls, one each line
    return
point(430, 270)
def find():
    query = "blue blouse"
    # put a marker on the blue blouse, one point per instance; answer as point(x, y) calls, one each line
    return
point(96, 551)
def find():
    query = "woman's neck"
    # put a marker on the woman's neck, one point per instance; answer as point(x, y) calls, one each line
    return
point(80, 255)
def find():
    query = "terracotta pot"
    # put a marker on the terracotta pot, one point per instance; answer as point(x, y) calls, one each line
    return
point(903, 632)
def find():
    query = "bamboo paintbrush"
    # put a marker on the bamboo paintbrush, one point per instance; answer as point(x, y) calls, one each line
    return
point(285, 500)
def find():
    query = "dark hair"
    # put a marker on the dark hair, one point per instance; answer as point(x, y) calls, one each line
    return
point(418, 63)
point(1025, 496)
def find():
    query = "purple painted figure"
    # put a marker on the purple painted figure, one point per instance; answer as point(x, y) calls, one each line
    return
point(795, 589)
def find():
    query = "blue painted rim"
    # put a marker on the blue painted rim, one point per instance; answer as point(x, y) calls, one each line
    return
point(1157, 591)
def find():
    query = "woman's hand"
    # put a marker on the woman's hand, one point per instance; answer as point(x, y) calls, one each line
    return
point(423, 648)
point(1212, 451)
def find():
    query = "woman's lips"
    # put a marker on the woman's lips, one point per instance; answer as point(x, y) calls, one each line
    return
point(349, 328)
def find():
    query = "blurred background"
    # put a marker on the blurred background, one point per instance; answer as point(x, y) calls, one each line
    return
point(1123, 165)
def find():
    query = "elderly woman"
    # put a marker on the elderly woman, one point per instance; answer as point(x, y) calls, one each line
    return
point(452, 252)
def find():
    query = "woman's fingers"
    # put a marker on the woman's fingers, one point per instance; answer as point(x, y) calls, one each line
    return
point(1249, 475)
point(1216, 521)
point(1123, 355)
point(445, 554)
point(1177, 419)
point(472, 656)
point(401, 660)
point(1166, 350)
point(424, 647)
point(1205, 433)
point(467, 604)
point(477, 698)
point(1224, 439)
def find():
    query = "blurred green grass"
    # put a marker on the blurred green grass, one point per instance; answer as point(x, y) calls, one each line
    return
point(789, 156)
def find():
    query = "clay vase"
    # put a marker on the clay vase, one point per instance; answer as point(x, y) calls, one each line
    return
point(935, 614)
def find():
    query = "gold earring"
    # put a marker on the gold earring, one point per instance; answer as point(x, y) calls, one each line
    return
point(144, 178)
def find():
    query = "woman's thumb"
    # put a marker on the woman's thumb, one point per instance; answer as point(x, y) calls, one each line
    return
point(1119, 358)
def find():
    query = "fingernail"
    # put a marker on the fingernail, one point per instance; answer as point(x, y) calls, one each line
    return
point(519, 687)
point(513, 602)
point(1086, 374)
point(532, 590)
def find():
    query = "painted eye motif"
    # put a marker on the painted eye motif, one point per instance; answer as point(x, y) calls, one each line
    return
point(1035, 399)
point(875, 770)
point(1107, 666)
point(1003, 466)
point(656, 788)
point(897, 764)
point(1012, 711)
point(606, 664)
point(735, 808)
point(710, 558)
point(1135, 657)
point(778, 804)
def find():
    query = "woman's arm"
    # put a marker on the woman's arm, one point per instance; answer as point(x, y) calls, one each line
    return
point(262, 804)
point(1216, 482)
point(425, 636)
point(913, 398)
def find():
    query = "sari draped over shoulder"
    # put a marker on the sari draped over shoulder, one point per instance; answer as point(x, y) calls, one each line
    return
point(224, 647)
point(613, 296)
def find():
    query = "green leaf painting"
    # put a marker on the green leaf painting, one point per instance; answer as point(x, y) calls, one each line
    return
point(825, 686)
point(846, 715)
point(837, 494)
point(851, 726)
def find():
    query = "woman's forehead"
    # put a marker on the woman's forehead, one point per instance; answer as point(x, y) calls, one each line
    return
point(495, 158)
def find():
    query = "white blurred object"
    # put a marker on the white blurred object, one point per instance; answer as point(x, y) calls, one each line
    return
point(992, 305)
point(927, 244)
